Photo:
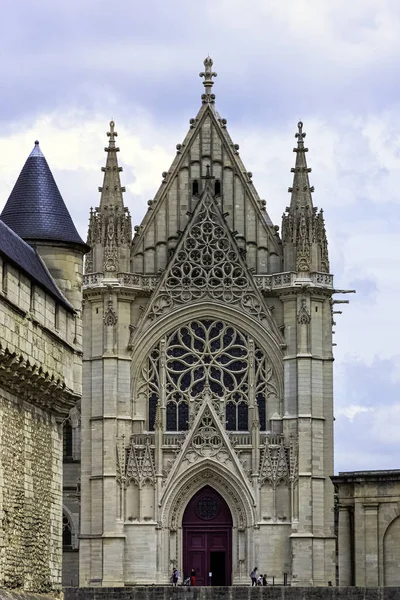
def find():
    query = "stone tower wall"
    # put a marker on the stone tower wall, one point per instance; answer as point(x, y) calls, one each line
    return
point(30, 456)
point(39, 384)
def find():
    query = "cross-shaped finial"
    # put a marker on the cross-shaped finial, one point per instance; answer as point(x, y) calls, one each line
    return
point(208, 74)
point(112, 134)
point(300, 135)
point(208, 173)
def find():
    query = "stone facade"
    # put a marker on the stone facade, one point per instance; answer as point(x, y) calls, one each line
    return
point(40, 382)
point(207, 362)
point(369, 528)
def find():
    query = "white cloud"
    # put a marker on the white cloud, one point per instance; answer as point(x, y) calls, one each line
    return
point(350, 412)
point(335, 63)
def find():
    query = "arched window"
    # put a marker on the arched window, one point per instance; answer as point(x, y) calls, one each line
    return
point(67, 440)
point(67, 534)
point(195, 187)
point(208, 355)
point(217, 187)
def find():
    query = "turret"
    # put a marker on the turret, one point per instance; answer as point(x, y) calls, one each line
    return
point(303, 227)
point(110, 228)
point(37, 213)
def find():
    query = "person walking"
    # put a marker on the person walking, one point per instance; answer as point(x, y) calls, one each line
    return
point(193, 577)
point(175, 577)
point(253, 577)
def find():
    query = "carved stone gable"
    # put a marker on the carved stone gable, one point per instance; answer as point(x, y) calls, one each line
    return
point(136, 463)
point(207, 145)
point(274, 465)
point(207, 265)
point(207, 441)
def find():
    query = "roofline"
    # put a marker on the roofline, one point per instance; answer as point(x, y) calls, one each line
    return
point(60, 299)
point(360, 476)
point(80, 246)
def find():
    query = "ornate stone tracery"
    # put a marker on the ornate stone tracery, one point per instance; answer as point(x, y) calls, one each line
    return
point(135, 464)
point(208, 265)
point(234, 493)
point(278, 463)
point(207, 358)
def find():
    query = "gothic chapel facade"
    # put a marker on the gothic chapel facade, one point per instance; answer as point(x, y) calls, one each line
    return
point(207, 409)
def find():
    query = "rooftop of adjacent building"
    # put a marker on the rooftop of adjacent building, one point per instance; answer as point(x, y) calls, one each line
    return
point(360, 476)
point(19, 253)
point(35, 209)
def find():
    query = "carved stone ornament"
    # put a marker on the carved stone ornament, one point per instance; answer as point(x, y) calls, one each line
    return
point(111, 258)
point(207, 265)
point(208, 476)
point(274, 466)
point(207, 441)
point(204, 361)
point(131, 335)
point(135, 464)
point(110, 317)
point(303, 316)
point(89, 262)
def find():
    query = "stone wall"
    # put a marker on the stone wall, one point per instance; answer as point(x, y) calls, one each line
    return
point(40, 382)
point(30, 468)
point(231, 593)
point(19, 595)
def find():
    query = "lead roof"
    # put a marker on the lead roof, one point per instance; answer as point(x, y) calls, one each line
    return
point(35, 209)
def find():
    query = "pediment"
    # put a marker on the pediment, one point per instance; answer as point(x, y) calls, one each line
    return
point(207, 143)
point(207, 440)
point(208, 265)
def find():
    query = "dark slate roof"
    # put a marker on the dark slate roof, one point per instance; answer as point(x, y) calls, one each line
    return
point(24, 257)
point(35, 209)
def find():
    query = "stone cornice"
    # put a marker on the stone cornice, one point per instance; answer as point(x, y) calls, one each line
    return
point(289, 281)
point(29, 381)
point(366, 476)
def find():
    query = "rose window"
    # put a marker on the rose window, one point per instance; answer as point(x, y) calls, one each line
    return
point(206, 355)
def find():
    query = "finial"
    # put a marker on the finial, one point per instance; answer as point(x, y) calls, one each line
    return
point(208, 177)
point(208, 75)
point(36, 142)
point(112, 134)
point(300, 135)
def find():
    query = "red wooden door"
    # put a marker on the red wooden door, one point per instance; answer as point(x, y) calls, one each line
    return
point(207, 538)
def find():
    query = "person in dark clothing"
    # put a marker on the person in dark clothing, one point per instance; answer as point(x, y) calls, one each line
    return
point(175, 577)
point(265, 579)
point(193, 578)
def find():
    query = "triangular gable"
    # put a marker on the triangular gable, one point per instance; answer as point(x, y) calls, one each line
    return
point(206, 440)
point(207, 143)
point(140, 464)
point(207, 265)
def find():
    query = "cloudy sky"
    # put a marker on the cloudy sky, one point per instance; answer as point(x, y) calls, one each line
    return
point(69, 67)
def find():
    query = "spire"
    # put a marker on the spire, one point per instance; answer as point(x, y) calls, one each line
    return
point(303, 229)
point(208, 75)
point(301, 190)
point(111, 190)
point(110, 228)
point(35, 209)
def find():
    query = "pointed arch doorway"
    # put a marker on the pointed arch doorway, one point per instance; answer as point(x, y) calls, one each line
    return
point(207, 538)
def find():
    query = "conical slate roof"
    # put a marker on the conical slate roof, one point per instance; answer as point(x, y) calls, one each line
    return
point(35, 209)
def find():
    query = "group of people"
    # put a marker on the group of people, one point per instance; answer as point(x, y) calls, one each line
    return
point(189, 581)
point(258, 579)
